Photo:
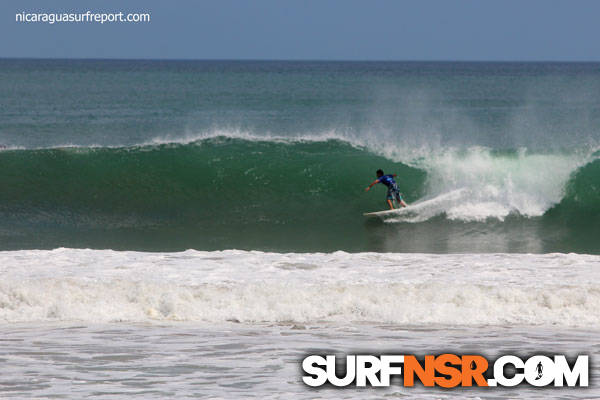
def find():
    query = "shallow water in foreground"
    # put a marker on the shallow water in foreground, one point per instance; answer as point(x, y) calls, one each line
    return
point(117, 361)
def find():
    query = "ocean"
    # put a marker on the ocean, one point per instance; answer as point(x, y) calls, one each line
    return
point(195, 228)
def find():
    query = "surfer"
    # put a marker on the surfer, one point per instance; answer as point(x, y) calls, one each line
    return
point(392, 193)
point(539, 369)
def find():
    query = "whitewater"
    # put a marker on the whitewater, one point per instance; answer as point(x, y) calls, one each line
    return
point(237, 323)
point(100, 286)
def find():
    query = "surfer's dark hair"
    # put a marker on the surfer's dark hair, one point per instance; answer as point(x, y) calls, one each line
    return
point(379, 171)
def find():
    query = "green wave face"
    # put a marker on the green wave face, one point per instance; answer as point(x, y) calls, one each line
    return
point(581, 203)
point(223, 193)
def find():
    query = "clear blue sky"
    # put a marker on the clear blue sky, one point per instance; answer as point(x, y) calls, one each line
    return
point(313, 29)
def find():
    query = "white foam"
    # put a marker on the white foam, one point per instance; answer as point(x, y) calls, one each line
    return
point(250, 287)
point(195, 137)
point(476, 184)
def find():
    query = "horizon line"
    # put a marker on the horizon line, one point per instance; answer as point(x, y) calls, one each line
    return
point(299, 60)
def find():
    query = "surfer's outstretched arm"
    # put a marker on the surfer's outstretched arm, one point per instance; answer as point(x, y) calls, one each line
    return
point(375, 182)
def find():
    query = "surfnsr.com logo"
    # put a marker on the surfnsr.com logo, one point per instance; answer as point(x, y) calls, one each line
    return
point(445, 370)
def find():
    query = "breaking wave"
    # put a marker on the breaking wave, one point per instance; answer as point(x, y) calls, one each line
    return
point(219, 186)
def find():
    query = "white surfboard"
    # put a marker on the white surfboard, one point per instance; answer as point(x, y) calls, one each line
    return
point(419, 206)
point(384, 212)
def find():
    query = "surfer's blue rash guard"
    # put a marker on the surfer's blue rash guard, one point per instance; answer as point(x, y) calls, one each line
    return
point(393, 192)
point(387, 180)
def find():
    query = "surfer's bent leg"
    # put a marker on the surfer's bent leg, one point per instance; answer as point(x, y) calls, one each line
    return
point(399, 199)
